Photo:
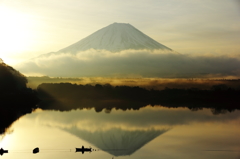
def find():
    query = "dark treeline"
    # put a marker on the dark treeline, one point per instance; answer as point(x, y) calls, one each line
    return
point(66, 96)
point(14, 93)
point(149, 83)
point(15, 98)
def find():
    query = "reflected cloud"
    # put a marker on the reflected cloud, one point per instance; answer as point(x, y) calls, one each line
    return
point(146, 118)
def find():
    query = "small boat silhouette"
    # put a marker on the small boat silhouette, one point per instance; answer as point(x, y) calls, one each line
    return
point(36, 150)
point(83, 149)
point(2, 151)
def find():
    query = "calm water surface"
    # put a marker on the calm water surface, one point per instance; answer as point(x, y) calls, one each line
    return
point(151, 132)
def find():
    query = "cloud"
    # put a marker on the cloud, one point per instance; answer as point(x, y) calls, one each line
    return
point(132, 62)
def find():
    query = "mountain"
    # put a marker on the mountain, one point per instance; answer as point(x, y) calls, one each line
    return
point(116, 50)
point(116, 37)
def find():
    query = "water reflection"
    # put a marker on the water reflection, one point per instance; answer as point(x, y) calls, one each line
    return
point(119, 134)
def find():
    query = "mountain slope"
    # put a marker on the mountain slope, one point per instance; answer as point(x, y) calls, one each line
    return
point(116, 37)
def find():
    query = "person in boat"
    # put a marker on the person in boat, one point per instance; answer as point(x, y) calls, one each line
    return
point(83, 149)
point(2, 151)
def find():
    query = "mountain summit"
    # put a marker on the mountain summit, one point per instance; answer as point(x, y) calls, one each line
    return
point(116, 37)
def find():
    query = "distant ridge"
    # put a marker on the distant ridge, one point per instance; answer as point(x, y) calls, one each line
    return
point(116, 37)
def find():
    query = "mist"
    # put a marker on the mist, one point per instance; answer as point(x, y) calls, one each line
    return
point(132, 63)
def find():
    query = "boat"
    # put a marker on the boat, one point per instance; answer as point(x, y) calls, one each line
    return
point(83, 149)
point(2, 151)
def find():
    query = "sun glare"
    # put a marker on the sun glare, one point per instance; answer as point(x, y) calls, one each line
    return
point(14, 32)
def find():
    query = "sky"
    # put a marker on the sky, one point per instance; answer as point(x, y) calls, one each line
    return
point(30, 28)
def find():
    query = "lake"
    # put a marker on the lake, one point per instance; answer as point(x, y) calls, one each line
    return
point(150, 132)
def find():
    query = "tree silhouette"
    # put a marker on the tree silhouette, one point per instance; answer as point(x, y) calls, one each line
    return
point(67, 96)
point(16, 99)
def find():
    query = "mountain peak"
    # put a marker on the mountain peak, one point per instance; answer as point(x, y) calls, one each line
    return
point(119, 24)
point(116, 37)
point(116, 23)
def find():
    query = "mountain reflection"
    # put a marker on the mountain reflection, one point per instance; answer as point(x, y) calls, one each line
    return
point(116, 141)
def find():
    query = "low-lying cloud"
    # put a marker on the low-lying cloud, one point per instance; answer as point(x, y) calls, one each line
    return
point(132, 63)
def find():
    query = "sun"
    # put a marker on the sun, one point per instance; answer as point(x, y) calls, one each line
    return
point(15, 32)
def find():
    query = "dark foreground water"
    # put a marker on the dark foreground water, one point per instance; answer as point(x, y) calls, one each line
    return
point(151, 132)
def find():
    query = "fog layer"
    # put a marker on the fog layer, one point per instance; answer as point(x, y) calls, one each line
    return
point(132, 63)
